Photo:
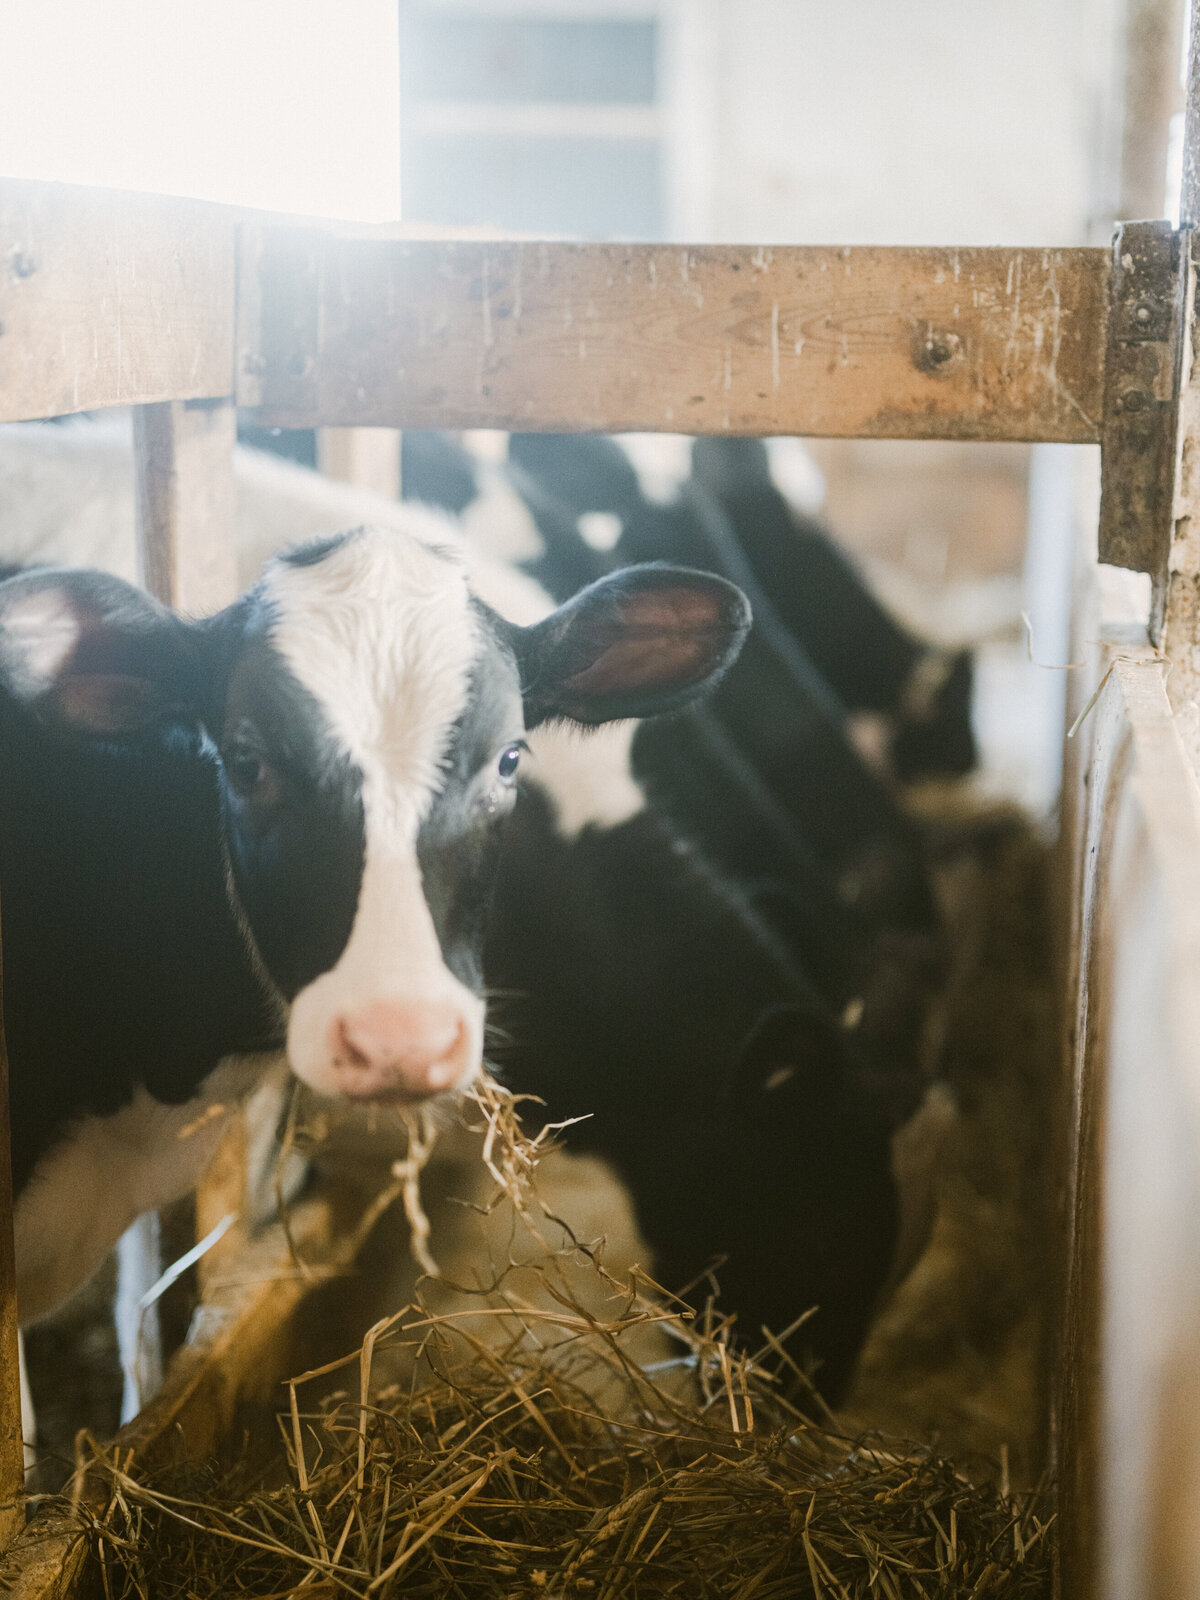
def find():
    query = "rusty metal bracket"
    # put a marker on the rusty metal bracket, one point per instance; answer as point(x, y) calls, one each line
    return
point(1141, 397)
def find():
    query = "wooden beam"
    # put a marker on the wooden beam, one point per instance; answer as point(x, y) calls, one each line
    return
point(108, 299)
point(842, 342)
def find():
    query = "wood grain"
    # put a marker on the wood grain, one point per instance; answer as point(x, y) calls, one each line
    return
point(110, 299)
point(866, 342)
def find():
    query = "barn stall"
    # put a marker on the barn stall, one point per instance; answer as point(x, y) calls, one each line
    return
point(187, 312)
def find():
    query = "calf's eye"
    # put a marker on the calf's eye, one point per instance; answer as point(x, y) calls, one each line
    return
point(510, 760)
point(250, 774)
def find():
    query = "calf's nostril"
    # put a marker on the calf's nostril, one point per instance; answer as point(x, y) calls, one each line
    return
point(348, 1049)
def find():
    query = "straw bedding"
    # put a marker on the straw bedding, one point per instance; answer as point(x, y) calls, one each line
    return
point(498, 1477)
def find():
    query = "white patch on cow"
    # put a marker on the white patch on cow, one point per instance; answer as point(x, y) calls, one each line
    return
point(39, 632)
point(382, 634)
point(871, 734)
point(662, 461)
point(499, 523)
point(600, 529)
point(796, 475)
point(589, 776)
point(513, 594)
point(66, 494)
point(486, 444)
point(106, 1171)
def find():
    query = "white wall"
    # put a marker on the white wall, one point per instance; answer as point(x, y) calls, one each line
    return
point(910, 121)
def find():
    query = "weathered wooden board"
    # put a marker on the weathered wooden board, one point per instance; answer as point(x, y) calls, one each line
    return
point(1130, 1443)
point(1141, 399)
point(108, 298)
point(868, 342)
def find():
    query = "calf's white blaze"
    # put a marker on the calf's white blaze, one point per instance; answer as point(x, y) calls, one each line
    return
point(392, 958)
point(382, 634)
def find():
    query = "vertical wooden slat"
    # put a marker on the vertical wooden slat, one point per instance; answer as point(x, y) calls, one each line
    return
point(1181, 626)
point(12, 1462)
point(366, 457)
point(183, 454)
point(186, 504)
point(1141, 392)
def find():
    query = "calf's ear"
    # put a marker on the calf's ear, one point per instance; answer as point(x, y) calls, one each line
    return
point(640, 641)
point(93, 654)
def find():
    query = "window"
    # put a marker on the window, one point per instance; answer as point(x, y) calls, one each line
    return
point(548, 123)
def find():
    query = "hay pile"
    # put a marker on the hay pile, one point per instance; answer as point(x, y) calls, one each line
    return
point(496, 1473)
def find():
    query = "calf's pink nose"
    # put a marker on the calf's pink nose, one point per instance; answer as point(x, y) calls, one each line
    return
point(389, 1051)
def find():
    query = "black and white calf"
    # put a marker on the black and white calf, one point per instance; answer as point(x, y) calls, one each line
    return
point(278, 826)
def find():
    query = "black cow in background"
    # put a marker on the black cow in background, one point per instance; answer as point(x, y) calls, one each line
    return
point(869, 661)
point(638, 990)
point(731, 983)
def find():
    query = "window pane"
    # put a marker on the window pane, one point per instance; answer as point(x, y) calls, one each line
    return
point(464, 57)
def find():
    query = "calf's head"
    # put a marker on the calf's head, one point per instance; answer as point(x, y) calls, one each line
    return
point(364, 714)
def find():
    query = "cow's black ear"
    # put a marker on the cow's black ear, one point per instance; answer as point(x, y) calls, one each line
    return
point(640, 641)
point(93, 654)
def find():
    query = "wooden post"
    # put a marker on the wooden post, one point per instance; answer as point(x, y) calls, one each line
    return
point(183, 460)
point(1181, 625)
point(366, 457)
point(186, 502)
point(12, 1458)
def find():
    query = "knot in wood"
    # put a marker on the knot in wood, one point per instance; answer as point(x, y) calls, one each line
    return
point(935, 350)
